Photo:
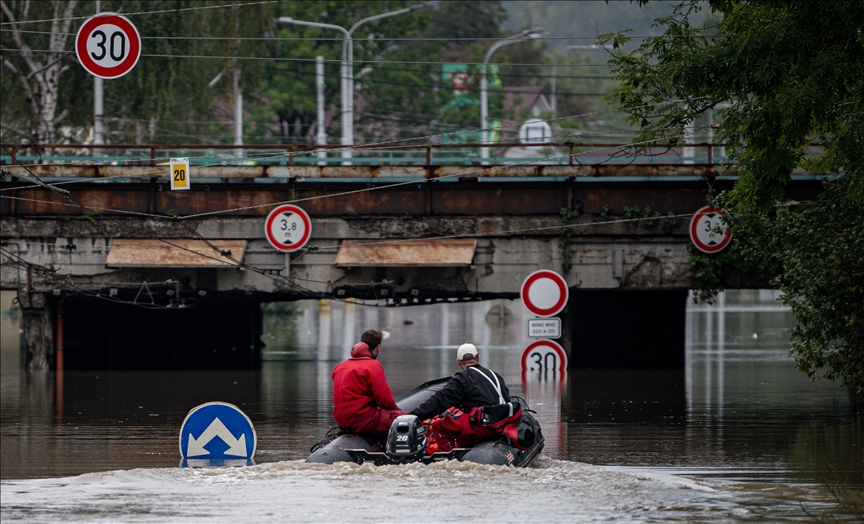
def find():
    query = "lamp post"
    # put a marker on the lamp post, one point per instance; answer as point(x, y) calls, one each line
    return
point(527, 34)
point(555, 67)
point(347, 77)
point(346, 140)
point(348, 49)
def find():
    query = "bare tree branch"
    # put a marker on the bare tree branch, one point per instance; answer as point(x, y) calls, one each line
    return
point(17, 131)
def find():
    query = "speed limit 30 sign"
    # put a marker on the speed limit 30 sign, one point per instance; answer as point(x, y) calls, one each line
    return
point(288, 228)
point(108, 45)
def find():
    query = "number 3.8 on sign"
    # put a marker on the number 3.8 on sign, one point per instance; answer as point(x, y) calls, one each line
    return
point(288, 228)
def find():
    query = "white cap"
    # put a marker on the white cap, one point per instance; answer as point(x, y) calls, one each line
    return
point(466, 352)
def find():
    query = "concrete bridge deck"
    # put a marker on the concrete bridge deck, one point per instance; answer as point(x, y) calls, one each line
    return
point(619, 225)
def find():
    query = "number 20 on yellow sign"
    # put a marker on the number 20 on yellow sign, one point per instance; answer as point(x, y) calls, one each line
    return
point(179, 173)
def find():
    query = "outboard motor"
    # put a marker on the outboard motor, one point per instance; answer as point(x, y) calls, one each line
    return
point(407, 439)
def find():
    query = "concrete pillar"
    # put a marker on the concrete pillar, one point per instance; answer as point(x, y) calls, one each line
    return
point(324, 326)
point(37, 321)
point(566, 340)
point(349, 326)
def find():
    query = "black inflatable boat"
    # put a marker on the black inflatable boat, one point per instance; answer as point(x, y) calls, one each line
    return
point(406, 440)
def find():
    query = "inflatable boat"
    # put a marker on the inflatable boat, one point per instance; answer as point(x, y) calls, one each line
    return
point(406, 441)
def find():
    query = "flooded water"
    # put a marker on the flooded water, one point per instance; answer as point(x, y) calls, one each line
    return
point(737, 436)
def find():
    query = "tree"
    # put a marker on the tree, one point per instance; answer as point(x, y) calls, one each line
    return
point(788, 74)
point(164, 97)
point(38, 68)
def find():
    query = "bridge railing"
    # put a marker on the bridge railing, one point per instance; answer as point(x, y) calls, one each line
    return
point(568, 153)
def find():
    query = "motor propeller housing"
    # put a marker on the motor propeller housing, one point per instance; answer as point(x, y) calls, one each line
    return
point(406, 439)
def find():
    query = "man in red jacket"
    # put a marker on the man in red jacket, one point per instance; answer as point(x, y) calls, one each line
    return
point(363, 401)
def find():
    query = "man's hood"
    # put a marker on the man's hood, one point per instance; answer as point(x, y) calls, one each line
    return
point(360, 350)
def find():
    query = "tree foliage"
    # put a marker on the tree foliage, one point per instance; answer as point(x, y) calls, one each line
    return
point(781, 75)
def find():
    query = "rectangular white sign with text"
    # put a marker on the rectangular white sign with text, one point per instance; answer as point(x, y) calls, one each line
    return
point(544, 328)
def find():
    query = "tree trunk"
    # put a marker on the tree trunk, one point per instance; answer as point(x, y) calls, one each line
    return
point(39, 71)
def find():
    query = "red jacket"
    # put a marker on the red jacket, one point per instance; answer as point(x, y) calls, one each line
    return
point(362, 399)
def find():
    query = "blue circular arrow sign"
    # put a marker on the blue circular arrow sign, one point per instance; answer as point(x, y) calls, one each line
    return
point(217, 431)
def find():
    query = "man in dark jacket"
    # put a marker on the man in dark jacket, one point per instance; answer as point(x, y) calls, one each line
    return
point(473, 406)
point(363, 402)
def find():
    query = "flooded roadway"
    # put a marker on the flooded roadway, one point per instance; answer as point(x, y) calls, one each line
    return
point(737, 436)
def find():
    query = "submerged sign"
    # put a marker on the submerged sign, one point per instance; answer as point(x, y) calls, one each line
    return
point(217, 434)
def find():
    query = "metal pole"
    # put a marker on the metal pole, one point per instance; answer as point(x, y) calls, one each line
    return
point(484, 114)
point(346, 128)
point(555, 68)
point(527, 34)
point(321, 138)
point(98, 106)
point(348, 114)
point(238, 113)
point(689, 137)
point(238, 95)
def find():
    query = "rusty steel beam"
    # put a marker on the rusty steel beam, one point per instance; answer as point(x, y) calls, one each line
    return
point(371, 171)
point(323, 198)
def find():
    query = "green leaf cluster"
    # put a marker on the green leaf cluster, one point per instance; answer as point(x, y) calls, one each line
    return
point(781, 76)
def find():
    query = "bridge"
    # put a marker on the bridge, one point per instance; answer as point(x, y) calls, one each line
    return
point(98, 236)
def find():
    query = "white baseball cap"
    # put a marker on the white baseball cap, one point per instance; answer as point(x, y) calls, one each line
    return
point(466, 352)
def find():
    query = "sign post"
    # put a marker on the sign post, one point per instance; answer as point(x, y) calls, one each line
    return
point(178, 169)
point(708, 232)
point(108, 45)
point(288, 228)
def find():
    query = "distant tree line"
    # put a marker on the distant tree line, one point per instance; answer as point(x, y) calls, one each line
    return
point(176, 94)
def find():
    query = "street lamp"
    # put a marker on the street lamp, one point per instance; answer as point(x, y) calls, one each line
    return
point(347, 76)
point(555, 67)
point(527, 34)
point(348, 115)
point(343, 73)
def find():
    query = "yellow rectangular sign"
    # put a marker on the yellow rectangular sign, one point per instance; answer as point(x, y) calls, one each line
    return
point(179, 173)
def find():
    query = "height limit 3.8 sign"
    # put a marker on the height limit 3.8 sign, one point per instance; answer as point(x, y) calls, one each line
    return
point(288, 228)
point(108, 45)
point(708, 231)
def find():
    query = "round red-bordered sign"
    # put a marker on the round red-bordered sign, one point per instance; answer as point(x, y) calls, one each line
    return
point(288, 228)
point(108, 45)
point(703, 230)
point(544, 293)
point(542, 357)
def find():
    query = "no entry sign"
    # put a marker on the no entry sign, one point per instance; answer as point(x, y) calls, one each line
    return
point(707, 230)
point(108, 45)
point(544, 293)
point(288, 228)
point(544, 361)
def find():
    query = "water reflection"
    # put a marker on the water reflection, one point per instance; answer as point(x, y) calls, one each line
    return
point(738, 410)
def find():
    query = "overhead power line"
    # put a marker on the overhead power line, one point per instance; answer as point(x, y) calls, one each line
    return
point(376, 38)
point(326, 60)
point(161, 11)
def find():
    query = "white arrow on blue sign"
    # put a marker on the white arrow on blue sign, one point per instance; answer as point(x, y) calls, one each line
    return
point(217, 431)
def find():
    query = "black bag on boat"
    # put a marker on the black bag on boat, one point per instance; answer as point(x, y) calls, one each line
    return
point(528, 430)
point(499, 416)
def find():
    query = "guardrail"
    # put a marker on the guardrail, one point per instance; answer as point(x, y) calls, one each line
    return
point(553, 153)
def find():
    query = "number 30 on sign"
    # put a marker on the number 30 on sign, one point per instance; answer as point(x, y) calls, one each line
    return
point(179, 173)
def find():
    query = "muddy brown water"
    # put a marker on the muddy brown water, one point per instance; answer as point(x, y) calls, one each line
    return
point(738, 435)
